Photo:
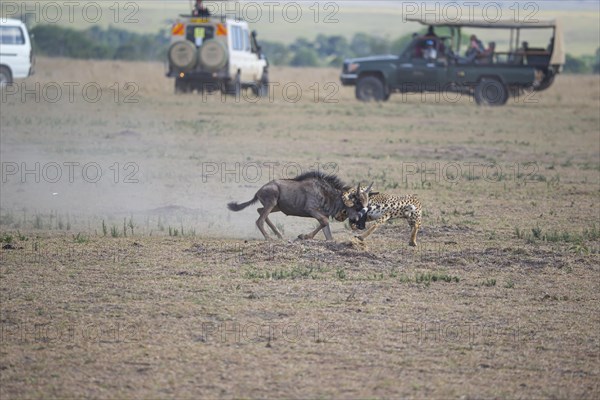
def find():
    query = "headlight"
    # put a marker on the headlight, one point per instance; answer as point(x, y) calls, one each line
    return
point(353, 67)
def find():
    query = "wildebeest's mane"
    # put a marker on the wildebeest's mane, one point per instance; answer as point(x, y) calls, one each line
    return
point(331, 179)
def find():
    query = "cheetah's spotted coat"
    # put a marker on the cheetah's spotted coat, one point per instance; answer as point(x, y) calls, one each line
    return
point(382, 207)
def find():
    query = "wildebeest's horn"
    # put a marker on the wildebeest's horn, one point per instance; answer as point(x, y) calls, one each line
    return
point(358, 189)
point(369, 188)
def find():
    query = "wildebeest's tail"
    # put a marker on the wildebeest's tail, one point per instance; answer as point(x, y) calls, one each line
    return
point(233, 206)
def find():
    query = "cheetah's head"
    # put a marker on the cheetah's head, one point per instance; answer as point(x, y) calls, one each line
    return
point(356, 202)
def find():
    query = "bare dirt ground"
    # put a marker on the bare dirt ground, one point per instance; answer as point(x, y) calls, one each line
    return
point(123, 275)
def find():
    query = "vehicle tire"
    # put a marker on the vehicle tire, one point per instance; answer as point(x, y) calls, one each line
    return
point(490, 92)
point(370, 88)
point(183, 55)
point(235, 86)
point(213, 55)
point(5, 77)
point(261, 89)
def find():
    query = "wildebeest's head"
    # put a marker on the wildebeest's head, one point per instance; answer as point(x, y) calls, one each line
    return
point(360, 220)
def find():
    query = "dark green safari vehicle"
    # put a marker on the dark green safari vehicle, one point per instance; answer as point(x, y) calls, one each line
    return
point(432, 63)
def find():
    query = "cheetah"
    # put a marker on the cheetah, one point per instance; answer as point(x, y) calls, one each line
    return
point(381, 207)
point(351, 201)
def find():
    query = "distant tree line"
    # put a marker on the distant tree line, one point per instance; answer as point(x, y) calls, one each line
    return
point(97, 43)
point(331, 50)
point(583, 65)
point(324, 51)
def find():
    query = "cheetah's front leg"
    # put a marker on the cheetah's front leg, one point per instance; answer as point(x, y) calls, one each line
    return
point(413, 235)
point(415, 223)
point(372, 228)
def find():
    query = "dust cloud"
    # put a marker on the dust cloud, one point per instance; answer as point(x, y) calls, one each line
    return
point(92, 145)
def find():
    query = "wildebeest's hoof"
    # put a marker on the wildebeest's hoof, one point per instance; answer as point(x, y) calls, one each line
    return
point(413, 244)
point(360, 238)
point(303, 237)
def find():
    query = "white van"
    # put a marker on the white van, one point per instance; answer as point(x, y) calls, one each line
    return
point(16, 53)
point(209, 52)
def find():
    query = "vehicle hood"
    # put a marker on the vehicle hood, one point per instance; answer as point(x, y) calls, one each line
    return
point(386, 57)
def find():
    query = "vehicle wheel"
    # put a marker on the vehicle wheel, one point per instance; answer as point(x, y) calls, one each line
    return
point(213, 55)
point(490, 92)
point(183, 55)
point(235, 86)
point(262, 88)
point(370, 88)
point(5, 77)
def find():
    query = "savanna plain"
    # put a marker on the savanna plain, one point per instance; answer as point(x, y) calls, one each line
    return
point(123, 274)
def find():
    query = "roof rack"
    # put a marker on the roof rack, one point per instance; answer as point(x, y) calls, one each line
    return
point(537, 24)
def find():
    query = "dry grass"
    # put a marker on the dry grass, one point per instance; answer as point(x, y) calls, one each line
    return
point(499, 300)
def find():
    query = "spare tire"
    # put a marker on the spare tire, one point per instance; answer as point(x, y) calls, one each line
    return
point(213, 54)
point(183, 55)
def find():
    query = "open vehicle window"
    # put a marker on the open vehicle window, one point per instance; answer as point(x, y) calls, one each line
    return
point(416, 48)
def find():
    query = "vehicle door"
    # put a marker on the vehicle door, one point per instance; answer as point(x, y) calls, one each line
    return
point(251, 58)
point(240, 58)
point(418, 73)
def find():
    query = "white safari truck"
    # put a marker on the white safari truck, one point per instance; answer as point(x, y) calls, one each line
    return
point(209, 53)
point(16, 53)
